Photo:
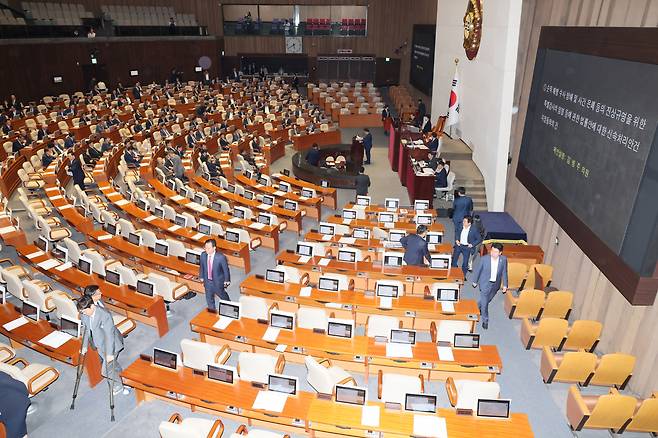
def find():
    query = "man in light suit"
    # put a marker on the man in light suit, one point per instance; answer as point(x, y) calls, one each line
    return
point(105, 337)
point(213, 270)
point(491, 275)
point(465, 243)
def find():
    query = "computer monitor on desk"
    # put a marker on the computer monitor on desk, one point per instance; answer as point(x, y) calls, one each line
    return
point(112, 277)
point(440, 261)
point(392, 203)
point(392, 259)
point(30, 310)
point(193, 257)
point(347, 255)
point(180, 220)
point(420, 402)
point(84, 265)
point(493, 408)
point(70, 326)
point(42, 243)
point(466, 340)
point(290, 205)
point(400, 336)
point(274, 276)
point(363, 200)
point(284, 384)
point(352, 395)
point(165, 359)
point(135, 239)
point(205, 228)
point(304, 249)
point(340, 328)
point(434, 237)
point(387, 290)
point(349, 214)
point(420, 204)
point(161, 248)
point(268, 200)
point(329, 284)
point(222, 373)
point(327, 229)
point(282, 320)
point(361, 233)
point(145, 288)
point(230, 309)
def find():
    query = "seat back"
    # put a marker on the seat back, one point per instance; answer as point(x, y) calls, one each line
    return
point(73, 251)
point(614, 369)
point(127, 275)
point(529, 303)
point(550, 332)
point(381, 325)
point(516, 273)
point(469, 391)
point(558, 304)
point(97, 262)
point(65, 306)
point(447, 328)
point(14, 284)
point(583, 334)
point(148, 238)
point(255, 367)
point(646, 417)
point(611, 411)
point(254, 307)
point(35, 295)
point(176, 248)
point(576, 366)
point(539, 276)
point(311, 318)
point(125, 228)
point(198, 355)
point(162, 286)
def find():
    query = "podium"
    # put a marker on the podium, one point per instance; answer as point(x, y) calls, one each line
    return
point(356, 153)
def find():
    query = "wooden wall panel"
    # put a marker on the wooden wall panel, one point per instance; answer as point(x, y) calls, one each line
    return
point(626, 328)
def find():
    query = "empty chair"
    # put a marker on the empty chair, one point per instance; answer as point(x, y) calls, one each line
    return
point(6, 352)
point(323, 376)
point(254, 307)
point(549, 332)
point(167, 289)
point(576, 366)
point(464, 394)
point(557, 305)
point(292, 274)
point(255, 367)
point(128, 275)
point(35, 294)
point(528, 304)
point(645, 418)
point(583, 334)
point(257, 433)
point(36, 377)
point(199, 355)
point(445, 332)
point(52, 233)
point(392, 387)
point(179, 427)
point(381, 325)
point(609, 411)
point(176, 248)
point(148, 238)
point(539, 276)
point(312, 318)
point(613, 369)
point(516, 274)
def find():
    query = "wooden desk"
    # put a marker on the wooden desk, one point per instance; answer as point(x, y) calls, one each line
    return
point(366, 274)
point(148, 310)
point(28, 335)
point(420, 185)
point(305, 141)
point(370, 224)
point(312, 206)
point(360, 353)
point(356, 120)
point(519, 253)
point(329, 194)
point(406, 212)
point(414, 311)
point(327, 419)
point(183, 387)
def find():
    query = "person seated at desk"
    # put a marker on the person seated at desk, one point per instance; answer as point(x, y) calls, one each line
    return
point(6, 127)
point(214, 169)
point(131, 157)
point(415, 247)
point(441, 178)
point(48, 156)
point(76, 171)
point(465, 242)
point(255, 145)
point(165, 170)
point(69, 141)
point(313, 156)
point(223, 142)
point(175, 164)
point(42, 132)
point(426, 125)
point(20, 142)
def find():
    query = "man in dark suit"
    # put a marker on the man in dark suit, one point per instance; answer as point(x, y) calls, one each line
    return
point(98, 328)
point(415, 247)
point(190, 140)
point(213, 270)
point(465, 243)
point(14, 403)
point(362, 182)
point(313, 156)
point(137, 91)
point(69, 141)
point(433, 144)
point(420, 112)
point(367, 144)
point(490, 275)
point(461, 206)
point(75, 168)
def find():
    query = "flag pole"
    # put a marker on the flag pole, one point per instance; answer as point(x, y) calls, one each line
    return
point(452, 126)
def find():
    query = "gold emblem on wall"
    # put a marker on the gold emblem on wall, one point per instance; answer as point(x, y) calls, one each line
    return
point(472, 28)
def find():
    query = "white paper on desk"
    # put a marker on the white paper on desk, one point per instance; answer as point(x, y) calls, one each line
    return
point(55, 198)
point(305, 291)
point(303, 259)
point(7, 229)
point(431, 247)
point(11, 325)
point(404, 211)
point(34, 255)
point(389, 224)
point(198, 236)
point(445, 354)
point(447, 306)
point(177, 198)
point(430, 426)
point(276, 175)
point(50, 189)
point(55, 339)
point(105, 237)
point(393, 349)
point(323, 262)
point(327, 237)
point(150, 218)
point(234, 220)
point(333, 305)
point(347, 221)
point(48, 264)
point(121, 202)
point(281, 348)
point(264, 207)
point(64, 266)
point(257, 226)
point(303, 198)
point(370, 416)
point(279, 193)
point(196, 207)
point(385, 302)
point(271, 334)
point(64, 207)
point(223, 322)
point(174, 228)
point(347, 240)
point(270, 401)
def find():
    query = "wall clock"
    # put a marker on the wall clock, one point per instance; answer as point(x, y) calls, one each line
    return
point(293, 44)
point(472, 28)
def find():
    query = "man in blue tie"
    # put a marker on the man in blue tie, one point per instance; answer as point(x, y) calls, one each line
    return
point(367, 144)
point(491, 275)
point(213, 270)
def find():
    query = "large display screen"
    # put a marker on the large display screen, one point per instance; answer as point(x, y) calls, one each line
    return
point(422, 58)
point(588, 150)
